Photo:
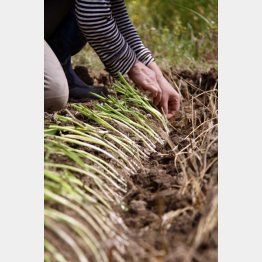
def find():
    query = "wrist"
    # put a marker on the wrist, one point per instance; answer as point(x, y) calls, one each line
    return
point(160, 77)
point(135, 68)
point(153, 66)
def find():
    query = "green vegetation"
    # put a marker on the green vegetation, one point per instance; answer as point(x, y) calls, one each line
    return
point(179, 33)
point(121, 182)
point(86, 167)
point(96, 156)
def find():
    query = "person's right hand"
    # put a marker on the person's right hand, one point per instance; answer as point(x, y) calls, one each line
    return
point(145, 78)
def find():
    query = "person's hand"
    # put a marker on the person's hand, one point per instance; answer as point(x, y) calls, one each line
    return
point(170, 100)
point(145, 78)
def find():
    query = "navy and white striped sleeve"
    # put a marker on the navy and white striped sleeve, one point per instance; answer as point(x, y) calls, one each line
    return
point(97, 23)
point(127, 29)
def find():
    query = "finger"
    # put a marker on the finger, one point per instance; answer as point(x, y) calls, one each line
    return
point(177, 104)
point(171, 114)
point(159, 95)
point(151, 91)
point(174, 103)
point(158, 98)
point(173, 107)
point(157, 92)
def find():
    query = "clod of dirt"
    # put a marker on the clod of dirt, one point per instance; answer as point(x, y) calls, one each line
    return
point(137, 206)
point(92, 78)
point(84, 75)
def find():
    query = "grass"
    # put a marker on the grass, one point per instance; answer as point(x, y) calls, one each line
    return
point(181, 34)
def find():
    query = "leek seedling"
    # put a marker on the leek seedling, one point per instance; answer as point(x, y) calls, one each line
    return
point(68, 186)
point(80, 171)
point(133, 149)
point(94, 116)
point(66, 119)
point(78, 141)
point(95, 140)
point(123, 112)
point(55, 147)
point(77, 227)
point(118, 153)
point(74, 194)
point(98, 149)
point(132, 95)
point(106, 167)
point(52, 250)
point(63, 201)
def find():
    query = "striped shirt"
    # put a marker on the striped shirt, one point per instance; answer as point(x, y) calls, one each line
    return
point(108, 29)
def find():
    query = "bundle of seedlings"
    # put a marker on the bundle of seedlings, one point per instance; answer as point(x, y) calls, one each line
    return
point(90, 153)
point(124, 184)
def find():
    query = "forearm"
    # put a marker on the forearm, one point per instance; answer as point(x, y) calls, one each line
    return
point(129, 32)
point(99, 27)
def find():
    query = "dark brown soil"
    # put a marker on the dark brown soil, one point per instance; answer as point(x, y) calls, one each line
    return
point(103, 78)
point(159, 189)
point(155, 191)
point(175, 219)
point(202, 80)
point(83, 73)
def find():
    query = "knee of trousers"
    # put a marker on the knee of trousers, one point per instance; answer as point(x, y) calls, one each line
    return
point(56, 96)
point(56, 88)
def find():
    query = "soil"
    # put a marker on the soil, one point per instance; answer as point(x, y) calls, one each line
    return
point(103, 78)
point(157, 191)
point(169, 217)
point(154, 192)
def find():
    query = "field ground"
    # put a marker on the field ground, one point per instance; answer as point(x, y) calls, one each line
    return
point(167, 210)
point(121, 182)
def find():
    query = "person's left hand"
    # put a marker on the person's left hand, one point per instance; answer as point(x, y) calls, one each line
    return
point(170, 100)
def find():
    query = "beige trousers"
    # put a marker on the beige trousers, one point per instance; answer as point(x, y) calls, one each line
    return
point(55, 82)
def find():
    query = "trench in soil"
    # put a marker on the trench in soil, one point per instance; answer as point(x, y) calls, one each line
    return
point(171, 203)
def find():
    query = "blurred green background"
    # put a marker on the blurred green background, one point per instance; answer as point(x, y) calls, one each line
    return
point(180, 33)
